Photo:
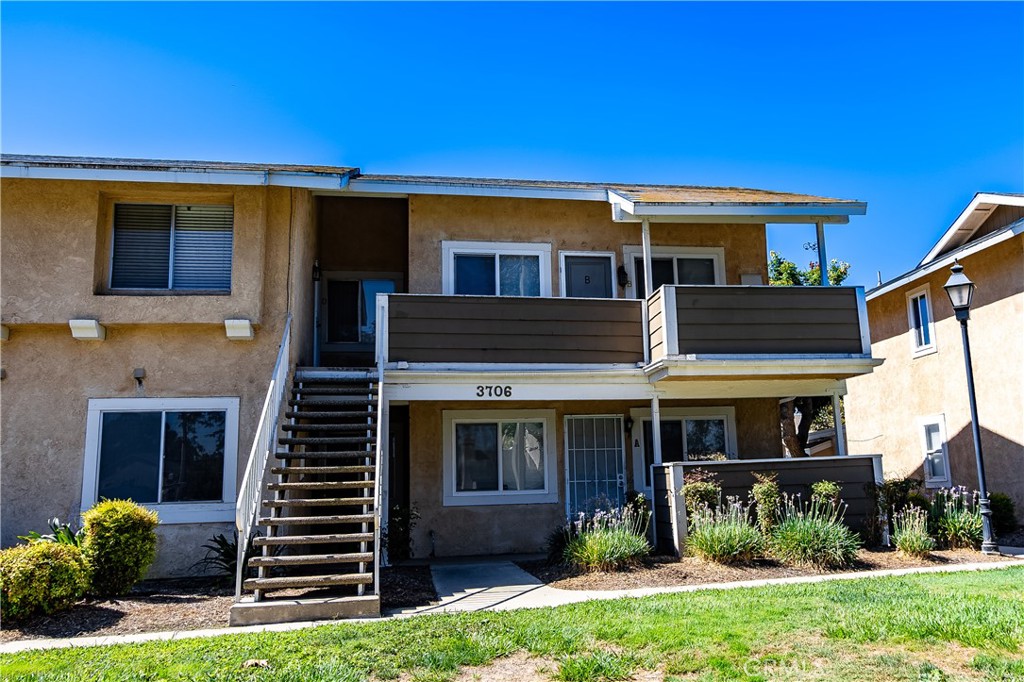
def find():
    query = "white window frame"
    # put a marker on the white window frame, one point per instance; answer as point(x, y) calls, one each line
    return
point(453, 498)
point(563, 272)
point(450, 249)
point(170, 261)
point(922, 424)
point(641, 415)
point(929, 348)
point(631, 252)
point(169, 512)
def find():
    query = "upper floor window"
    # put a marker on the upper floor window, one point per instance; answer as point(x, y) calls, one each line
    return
point(919, 314)
point(936, 457)
point(674, 265)
point(175, 248)
point(496, 268)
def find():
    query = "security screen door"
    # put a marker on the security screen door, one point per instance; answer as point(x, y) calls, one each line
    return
point(594, 462)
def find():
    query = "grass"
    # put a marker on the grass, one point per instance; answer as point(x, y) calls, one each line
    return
point(955, 626)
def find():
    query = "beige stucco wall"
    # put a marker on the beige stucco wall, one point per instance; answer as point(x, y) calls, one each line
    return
point(882, 408)
point(49, 262)
point(523, 528)
point(567, 226)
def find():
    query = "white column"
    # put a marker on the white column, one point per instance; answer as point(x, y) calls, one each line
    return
point(648, 270)
point(656, 428)
point(840, 428)
point(822, 258)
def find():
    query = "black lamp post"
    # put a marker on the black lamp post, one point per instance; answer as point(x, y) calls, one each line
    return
point(961, 291)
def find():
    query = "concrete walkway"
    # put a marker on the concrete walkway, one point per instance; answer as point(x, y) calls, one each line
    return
point(494, 586)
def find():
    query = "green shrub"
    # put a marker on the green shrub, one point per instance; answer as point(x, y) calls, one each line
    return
point(954, 518)
point(1004, 514)
point(701, 489)
point(40, 577)
point(767, 498)
point(885, 499)
point(826, 491)
point(61, 533)
point(813, 534)
point(120, 544)
point(608, 540)
point(911, 532)
point(558, 541)
point(725, 535)
point(917, 501)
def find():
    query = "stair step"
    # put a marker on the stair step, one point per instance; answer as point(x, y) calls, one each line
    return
point(313, 471)
point(334, 377)
point(358, 414)
point(328, 400)
point(322, 485)
point(332, 440)
point(308, 581)
point(332, 539)
point(321, 502)
point(310, 428)
point(328, 454)
point(312, 559)
point(366, 390)
point(315, 520)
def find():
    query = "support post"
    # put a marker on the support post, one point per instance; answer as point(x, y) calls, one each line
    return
point(648, 267)
point(656, 428)
point(822, 258)
point(841, 447)
point(316, 313)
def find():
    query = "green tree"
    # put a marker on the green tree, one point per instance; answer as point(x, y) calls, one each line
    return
point(815, 410)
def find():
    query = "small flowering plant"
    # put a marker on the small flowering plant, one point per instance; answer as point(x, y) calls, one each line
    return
point(910, 534)
point(724, 534)
point(609, 538)
point(954, 518)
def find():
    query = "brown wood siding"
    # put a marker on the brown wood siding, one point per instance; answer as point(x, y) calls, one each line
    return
point(513, 330)
point(656, 324)
point(768, 320)
point(797, 475)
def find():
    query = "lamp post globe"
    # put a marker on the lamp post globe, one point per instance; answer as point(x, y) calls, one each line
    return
point(960, 290)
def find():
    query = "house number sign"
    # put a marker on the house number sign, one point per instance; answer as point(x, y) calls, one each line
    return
point(494, 391)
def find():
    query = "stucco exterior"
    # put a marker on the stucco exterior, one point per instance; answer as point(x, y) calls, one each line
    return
point(54, 238)
point(883, 408)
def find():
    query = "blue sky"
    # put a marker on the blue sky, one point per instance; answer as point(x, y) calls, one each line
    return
point(911, 107)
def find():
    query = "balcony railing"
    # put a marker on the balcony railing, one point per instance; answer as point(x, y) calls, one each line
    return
point(757, 321)
point(492, 329)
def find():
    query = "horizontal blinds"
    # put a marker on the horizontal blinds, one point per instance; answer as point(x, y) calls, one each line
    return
point(142, 246)
point(202, 247)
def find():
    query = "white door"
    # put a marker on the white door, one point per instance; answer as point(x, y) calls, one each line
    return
point(595, 463)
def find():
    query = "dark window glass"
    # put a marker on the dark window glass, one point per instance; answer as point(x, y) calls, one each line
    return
point(664, 273)
point(474, 275)
point(671, 445)
point(696, 271)
point(193, 456)
point(704, 437)
point(342, 311)
point(476, 457)
point(129, 456)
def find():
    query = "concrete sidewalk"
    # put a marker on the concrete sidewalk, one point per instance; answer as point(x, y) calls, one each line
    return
point(494, 586)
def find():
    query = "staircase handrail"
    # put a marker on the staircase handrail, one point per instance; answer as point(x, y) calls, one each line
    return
point(250, 492)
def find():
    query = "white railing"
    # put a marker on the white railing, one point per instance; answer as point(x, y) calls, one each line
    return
point(381, 352)
point(251, 491)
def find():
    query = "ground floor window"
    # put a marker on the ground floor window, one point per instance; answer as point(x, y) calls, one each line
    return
point(936, 456)
point(499, 457)
point(175, 455)
point(687, 435)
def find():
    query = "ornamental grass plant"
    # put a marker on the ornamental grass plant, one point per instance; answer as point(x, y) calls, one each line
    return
point(954, 518)
point(911, 532)
point(608, 540)
point(813, 534)
point(726, 534)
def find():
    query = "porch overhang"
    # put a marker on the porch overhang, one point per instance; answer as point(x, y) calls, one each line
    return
point(625, 210)
point(782, 368)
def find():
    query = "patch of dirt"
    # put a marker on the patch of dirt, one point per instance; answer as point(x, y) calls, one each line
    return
point(667, 571)
point(188, 604)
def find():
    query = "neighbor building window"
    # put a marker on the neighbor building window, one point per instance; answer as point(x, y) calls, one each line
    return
point(922, 329)
point(936, 455)
point(687, 435)
point(176, 455)
point(174, 248)
point(497, 268)
point(499, 457)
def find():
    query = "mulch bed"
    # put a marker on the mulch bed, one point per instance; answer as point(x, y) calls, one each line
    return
point(189, 604)
point(666, 571)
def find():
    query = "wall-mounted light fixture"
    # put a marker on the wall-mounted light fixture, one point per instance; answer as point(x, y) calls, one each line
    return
point(622, 276)
point(629, 424)
point(87, 330)
point(239, 330)
point(139, 373)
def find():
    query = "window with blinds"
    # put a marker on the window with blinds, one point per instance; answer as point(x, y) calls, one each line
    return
point(180, 248)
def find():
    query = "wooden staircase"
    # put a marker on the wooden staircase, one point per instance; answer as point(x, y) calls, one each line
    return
point(314, 556)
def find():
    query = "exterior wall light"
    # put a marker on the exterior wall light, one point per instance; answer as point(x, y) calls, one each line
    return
point(961, 292)
point(239, 330)
point(87, 330)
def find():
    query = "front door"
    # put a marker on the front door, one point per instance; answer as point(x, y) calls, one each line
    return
point(595, 463)
point(588, 276)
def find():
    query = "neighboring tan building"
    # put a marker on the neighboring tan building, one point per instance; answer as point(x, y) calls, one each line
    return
point(305, 349)
point(914, 409)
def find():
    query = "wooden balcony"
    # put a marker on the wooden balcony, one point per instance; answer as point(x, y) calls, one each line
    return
point(513, 330)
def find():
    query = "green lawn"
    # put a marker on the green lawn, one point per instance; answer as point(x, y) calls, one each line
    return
point(929, 627)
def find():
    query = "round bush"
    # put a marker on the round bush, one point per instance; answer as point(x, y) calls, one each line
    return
point(120, 544)
point(40, 577)
point(1004, 515)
